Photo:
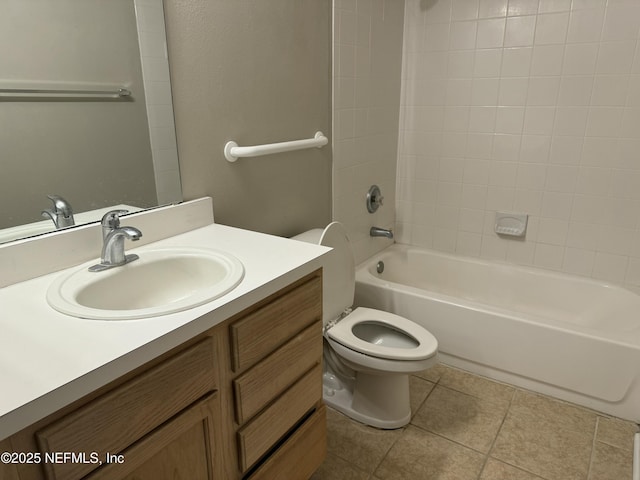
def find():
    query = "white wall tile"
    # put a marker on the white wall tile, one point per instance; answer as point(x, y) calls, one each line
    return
point(547, 60)
point(463, 35)
point(468, 244)
point(621, 22)
point(522, 7)
point(506, 147)
point(516, 62)
point(610, 90)
point(548, 256)
point(513, 91)
point(487, 62)
point(531, 176)
point(609, 267)
point(509, 120)
point(561, 178)
point(529, 201)
point(585, 25)
point(519, 31)
point(547, 6)
point(535, 148)
point(575, 91)
point(492, 8)
point(541, 114)
point(552, 231)
point(539, 120)
point(490, 33)
point(464, 10)
point(578, 262)
point(571, 121)
point(543, 91)
point(493, 248)
point(503, 174)
point(604, 121)
point(580, 59)
point(460, 64)
point(565, 150)
point(551, 28)
point(479, 145)
point(633, 272)
point(615, 57)
point(556, 205)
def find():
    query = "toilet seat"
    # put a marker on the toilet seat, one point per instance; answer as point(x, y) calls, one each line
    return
point(342, 332)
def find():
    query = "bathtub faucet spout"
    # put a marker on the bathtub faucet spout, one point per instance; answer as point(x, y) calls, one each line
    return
point(380, 232)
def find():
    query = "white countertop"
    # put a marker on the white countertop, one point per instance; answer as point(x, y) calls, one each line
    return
point(48, 359)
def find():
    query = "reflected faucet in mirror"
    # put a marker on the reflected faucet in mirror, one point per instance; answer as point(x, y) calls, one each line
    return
point(61, 214)
point(70, 141)
point(113, 248)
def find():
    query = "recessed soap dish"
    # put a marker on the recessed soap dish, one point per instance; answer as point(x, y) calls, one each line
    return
point(512, 224)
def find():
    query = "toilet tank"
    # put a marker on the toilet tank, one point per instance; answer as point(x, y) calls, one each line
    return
point(339, 271)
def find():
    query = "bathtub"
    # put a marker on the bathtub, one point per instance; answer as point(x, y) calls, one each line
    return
point(569, 337)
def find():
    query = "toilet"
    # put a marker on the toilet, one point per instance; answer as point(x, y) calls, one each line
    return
point(368, 353)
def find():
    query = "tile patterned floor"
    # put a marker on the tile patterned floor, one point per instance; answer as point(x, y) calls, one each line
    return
point(466, 427)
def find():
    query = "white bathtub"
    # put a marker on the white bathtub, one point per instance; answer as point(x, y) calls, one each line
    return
point(565, 336)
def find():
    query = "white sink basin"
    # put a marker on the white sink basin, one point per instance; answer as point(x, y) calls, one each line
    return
point(161, 281)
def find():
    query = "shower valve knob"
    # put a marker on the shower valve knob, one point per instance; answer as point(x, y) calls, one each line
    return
point(374, 199)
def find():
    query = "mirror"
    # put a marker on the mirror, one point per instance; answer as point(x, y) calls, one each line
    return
point(68, 126)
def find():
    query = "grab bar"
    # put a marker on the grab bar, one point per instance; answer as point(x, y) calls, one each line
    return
point(232, 151)
point(48, 92)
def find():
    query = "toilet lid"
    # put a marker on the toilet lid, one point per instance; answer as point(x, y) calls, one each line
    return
point(339, 272)
point(425, 345)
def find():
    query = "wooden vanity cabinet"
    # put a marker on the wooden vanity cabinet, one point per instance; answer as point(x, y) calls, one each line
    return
point(274, 385)
point(242, 401)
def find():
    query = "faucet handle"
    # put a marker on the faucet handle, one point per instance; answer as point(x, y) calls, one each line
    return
point(60, 206)
point(110, 221)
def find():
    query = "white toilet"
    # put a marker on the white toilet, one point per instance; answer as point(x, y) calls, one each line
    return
point(368, 353)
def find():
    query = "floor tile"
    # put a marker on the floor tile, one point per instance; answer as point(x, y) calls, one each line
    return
point(418, 391)
point(495, 470)
point(542, 447)
point(335, 468)
point(421, 455)
point(616, 433)
point(610, 463)
point(561, 414)
point(458, 416)
point(475, 385)
point(361, 445)
point(471, 421)
point(433, 374)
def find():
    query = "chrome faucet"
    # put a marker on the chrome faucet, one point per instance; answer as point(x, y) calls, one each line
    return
point(113, 236)
point(380, 232)
point(61, 214)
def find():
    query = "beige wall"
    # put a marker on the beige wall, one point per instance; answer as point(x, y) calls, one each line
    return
point(253, 72)
point(94, 153)
point(531, 107)
point(367, 65)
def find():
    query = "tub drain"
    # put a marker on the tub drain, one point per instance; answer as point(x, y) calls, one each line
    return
point(380, 267)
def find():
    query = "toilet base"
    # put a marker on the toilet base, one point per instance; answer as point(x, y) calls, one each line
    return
point(381, 401)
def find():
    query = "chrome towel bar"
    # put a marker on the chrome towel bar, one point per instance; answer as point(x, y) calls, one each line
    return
point(62, 93)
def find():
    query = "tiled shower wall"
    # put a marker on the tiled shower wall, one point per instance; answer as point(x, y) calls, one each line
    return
point(366, 89)
point(523, 106)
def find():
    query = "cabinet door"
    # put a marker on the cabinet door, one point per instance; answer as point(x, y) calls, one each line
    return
point(182, 449)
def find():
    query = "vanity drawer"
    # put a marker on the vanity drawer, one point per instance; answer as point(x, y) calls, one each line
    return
point(273, 375)
point(307, 445)
point(122, 416)
point(263, 432)
point(262, 331)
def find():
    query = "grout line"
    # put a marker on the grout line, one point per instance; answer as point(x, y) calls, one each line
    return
point(504, 418)
point(593, 447)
